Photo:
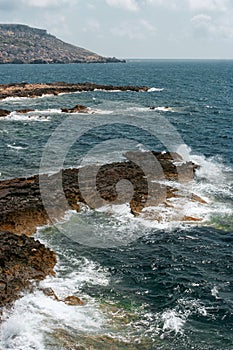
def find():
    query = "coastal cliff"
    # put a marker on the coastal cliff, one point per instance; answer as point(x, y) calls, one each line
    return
point(23, 44)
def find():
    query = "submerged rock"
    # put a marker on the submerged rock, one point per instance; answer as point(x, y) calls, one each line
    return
point(22, 260)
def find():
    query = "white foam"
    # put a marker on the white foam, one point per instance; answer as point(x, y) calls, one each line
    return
point(46, 111)
point(16, 147)
point(163, 109)
point(15, 99)
point(154, 89)
point(43, 314)
point(100, 111)
point(26, 117)
point(137, 109)
point(214, 292)
point(173, 322)
point(105, 90)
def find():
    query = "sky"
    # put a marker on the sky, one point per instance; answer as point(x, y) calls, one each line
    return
point(133, 28)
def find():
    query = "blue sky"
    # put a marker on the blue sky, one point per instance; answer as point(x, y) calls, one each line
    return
point(133, 28)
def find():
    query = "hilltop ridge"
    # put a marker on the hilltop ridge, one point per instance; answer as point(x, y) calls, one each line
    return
point(20, 43)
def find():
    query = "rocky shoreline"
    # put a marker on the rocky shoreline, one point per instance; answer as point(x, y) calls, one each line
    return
point(22, 208)
point(38, 90)
point(22, 259)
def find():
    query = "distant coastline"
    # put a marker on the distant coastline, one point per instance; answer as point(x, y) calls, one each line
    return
point(21, 44)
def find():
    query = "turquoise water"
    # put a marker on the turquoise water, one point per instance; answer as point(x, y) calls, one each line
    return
point(157, 285)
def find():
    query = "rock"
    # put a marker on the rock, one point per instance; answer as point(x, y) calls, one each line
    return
point(23, 111)
point(76, 109)
point(73, 300)
point(191, 218)
point(22, 209)
point(4, 112)
point(22, 259)
point(50, 293)
point(37, 90)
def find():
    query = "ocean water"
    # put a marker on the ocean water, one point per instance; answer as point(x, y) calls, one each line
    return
point(146, 284)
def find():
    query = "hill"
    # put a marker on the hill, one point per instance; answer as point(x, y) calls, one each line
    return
point(23, 44)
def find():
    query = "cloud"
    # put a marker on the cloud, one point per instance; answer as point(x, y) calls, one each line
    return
point(171, 4)
point(201, 20)
point(138, 30)
point(45, 4)
point(91, 25)
point(41, 3)
point(209, 5)
point(6, 5)
point(130, 5)
point(207, 26)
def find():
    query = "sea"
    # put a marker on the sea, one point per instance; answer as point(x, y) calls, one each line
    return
point(147, 284)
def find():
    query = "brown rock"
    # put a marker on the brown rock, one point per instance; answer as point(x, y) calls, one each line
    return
point(36, 90)
point(76, 109)
point(191, 218)
point(22, 259)
point(73, 300)
point(22, 208)
point(4, 112)
point(23, 111)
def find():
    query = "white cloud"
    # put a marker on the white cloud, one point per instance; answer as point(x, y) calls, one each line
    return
point(91, 25)
point(207, 26)
point(200, 20)
point(135, 29)
point(209, 5)
point(41, 3)
point(126, 30)
point(47, 3)
point(171, 4)
point(148, 26)
point(130, 5)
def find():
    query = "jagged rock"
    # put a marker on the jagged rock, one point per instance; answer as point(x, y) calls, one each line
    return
point(76, 109)
point(70, 300)
point(23, 111)
point(22, 209)
point(4, 112)
point(22, 259)
point(73, 300)
point(50, 293)
point(36, 90)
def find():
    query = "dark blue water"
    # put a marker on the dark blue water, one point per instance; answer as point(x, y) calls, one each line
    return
point(172, 284)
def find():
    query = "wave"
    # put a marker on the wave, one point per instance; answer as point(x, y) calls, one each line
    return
point(46, 111)
point(26, 117)
point(14, 99)
point(113, 90)
point(163, 109)
point(44, 315)
point(16, 147)
point(23, 98)
point(154, 89)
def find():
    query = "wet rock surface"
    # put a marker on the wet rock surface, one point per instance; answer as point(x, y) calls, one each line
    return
point(22, 259)
point(4, 112)
point(26, 203)
point(139, 181)
point(37, 90)
point(76, 109)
